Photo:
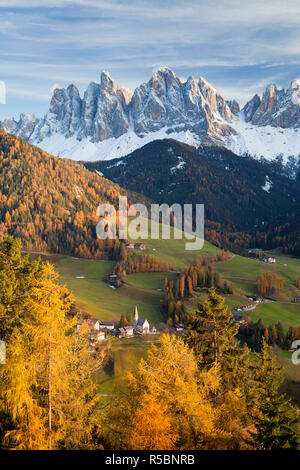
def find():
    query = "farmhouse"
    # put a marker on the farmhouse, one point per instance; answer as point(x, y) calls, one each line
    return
point(269, 259)
point(135, 246)
point(92, 323)
point(239, 319)
point(255, 298)
point(107, 325)
point(114, 280)
point(125, 331)
point(129, 330)
point(96, 336)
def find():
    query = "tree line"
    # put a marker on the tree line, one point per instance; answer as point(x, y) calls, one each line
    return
point(196, 276)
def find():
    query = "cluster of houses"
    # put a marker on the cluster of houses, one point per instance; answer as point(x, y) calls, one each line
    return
point(255, 299)
point(99, 330)
point(258, 253)
point(135, 246)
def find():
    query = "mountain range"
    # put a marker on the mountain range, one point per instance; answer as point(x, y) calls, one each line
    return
point(109, 121)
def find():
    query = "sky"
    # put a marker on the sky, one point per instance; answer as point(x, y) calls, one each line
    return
point(238, 46)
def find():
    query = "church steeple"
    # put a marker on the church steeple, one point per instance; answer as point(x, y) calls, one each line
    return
point(135, 315)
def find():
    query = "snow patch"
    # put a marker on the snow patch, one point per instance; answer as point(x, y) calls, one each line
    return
point(268, 185)
point(266, 141)
point(180, 165)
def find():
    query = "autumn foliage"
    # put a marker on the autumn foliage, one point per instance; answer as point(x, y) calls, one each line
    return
point(269, 283)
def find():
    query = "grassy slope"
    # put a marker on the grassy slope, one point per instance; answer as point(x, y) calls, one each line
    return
point(242, 272)
point(126, 352)
point(95, 296)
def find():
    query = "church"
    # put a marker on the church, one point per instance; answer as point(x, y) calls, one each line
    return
point(141, 325)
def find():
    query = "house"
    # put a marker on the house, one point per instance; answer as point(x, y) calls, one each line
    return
point(114, 280)
point(96, 336)
point(130, 245)
point(121, 332)
point(140, 246)
point(135, 246)
point(296, 299)
point(125, 331)
point(239, 319)
point(129, 330)
point(141, 325)
point(92, 323)
point(255, 298)
point(107, 325)
point(269, 259)
point(179, 327)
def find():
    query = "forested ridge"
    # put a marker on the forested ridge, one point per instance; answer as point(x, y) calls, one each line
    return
point(50, 203)
point(247, 202)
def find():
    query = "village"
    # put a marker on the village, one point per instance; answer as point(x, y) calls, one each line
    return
point(100, 330)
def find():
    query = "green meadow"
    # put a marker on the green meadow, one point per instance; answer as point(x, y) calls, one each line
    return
point(86, 280)
point(126, 353)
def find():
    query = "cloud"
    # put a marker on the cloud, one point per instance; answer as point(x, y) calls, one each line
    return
point(235, 45)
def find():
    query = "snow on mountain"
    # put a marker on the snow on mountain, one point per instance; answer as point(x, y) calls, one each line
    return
point(266, 141)
point(109, 121)
point(108, 149)
point(277, 108)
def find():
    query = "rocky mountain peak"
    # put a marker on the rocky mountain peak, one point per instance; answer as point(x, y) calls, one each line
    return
point(191, 110)
point(277, 107)
point(295, 91)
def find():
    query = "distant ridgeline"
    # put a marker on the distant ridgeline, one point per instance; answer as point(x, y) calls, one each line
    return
point(247, 202)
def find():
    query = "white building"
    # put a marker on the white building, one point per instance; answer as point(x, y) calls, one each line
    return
point(141, 325)
point(107, 325)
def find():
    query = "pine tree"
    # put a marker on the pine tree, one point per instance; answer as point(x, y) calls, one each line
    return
point(276, 418)
point(211, 329)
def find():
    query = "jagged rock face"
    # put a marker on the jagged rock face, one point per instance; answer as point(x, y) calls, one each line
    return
point(167, 102)
point(9, 125)
point(233, 106)
point(277, 108)
point(24, 127)
point(64, 115)
point(89, 109)
point(251, 107)
point(190, 110)
point(111, 118)
point(109, 111)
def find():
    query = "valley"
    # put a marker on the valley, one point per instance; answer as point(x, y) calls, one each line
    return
point(86, 279)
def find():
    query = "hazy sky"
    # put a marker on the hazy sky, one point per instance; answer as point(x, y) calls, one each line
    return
point(238, 46)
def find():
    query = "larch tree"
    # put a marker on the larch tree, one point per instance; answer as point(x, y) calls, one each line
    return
point(46, 385)
point(170, 383)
